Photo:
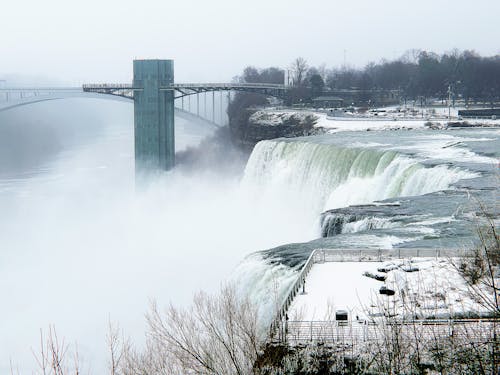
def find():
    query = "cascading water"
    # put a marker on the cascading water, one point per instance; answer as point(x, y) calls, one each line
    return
point(317, 177)
point(313, 177)
point(336, 223)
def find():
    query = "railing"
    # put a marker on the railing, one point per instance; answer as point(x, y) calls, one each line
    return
point(352, 332)
point(91, 87)
point(186, 85)
point(277, 327)
point(328, 331)
point(224, 86)
point(38, 89)
point(380, 255)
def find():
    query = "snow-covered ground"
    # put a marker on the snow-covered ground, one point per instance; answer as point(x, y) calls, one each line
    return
point(391, 118)
point(275, 118)
point(423, 286)
point(336, 124)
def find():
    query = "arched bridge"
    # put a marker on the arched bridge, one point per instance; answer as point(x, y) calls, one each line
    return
point(11, 98)
point(154, 93)
point(185, 89)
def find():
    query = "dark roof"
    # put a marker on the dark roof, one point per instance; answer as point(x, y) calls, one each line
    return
point(328, 99)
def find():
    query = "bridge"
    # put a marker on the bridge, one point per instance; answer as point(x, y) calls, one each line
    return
point(11, 98)
point(154, 92)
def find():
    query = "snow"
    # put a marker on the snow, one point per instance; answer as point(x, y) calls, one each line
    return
point(392, 118)
point(335, 286)
point(337, 124)
point(275, 118)
point(433, 288)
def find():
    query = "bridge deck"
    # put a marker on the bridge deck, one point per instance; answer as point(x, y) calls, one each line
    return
point(186, 89)
point(176, 86)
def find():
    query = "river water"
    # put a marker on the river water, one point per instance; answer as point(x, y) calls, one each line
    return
point(80, 245)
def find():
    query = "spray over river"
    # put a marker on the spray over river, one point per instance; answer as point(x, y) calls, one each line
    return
point(80, 245)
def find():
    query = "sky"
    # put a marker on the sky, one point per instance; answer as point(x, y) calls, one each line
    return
point(74, 42)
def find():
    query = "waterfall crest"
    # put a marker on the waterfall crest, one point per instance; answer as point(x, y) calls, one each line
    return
point(321, 176)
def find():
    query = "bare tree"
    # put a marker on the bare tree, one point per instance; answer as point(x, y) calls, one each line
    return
point(116, 348)
point(299, 68)
point(481, 271)
point(53, 355)
point(217, 335)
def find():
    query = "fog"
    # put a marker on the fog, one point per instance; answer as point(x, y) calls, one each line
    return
point(81, 244)
point(95, 41)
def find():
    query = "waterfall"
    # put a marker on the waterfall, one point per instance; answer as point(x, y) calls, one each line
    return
point(337, 223)
point(316, 176)
point(309, 180)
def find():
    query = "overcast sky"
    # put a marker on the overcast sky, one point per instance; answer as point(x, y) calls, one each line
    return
point(212, 40)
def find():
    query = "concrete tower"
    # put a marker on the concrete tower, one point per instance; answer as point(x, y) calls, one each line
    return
point(154, 115)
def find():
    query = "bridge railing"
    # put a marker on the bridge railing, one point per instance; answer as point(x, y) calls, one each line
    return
point(91, 86)
point(225, 85)
point(38, 89)
point(186, 85)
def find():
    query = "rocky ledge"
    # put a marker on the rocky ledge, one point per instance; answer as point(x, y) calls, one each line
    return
point(263, 125)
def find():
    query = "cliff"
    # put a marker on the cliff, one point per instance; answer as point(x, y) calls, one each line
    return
point(261, 125)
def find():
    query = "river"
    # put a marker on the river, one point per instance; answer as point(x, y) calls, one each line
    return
point(80, 245)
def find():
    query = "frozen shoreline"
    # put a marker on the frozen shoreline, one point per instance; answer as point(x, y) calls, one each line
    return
point(370, 122)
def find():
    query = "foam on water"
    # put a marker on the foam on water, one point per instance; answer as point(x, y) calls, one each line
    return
point(368, 223)
point(316, 177)
point(447, 147)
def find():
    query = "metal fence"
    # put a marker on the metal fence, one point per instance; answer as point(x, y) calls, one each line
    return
point(277, 328)
point(379, 255)
point(355, 332)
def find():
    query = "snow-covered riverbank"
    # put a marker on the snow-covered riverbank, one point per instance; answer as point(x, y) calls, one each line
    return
point(390, 119)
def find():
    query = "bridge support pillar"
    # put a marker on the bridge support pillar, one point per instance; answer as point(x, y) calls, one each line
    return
point(154, 137)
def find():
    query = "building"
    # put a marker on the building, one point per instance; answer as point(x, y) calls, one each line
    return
point(328, 102)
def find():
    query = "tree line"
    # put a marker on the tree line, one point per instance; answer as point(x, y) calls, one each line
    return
point(425, 74)
point(416, 74)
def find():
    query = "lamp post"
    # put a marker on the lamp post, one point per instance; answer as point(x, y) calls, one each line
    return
point(449, 101)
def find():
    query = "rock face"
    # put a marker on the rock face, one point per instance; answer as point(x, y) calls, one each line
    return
point(261, 125)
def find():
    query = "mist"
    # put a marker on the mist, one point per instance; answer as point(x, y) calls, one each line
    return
point(213, 41)
point(82, 245)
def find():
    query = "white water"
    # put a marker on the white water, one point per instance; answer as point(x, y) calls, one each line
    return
point(367, 223)
point(313, 177)
point(447, 147)
point(317, 177)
